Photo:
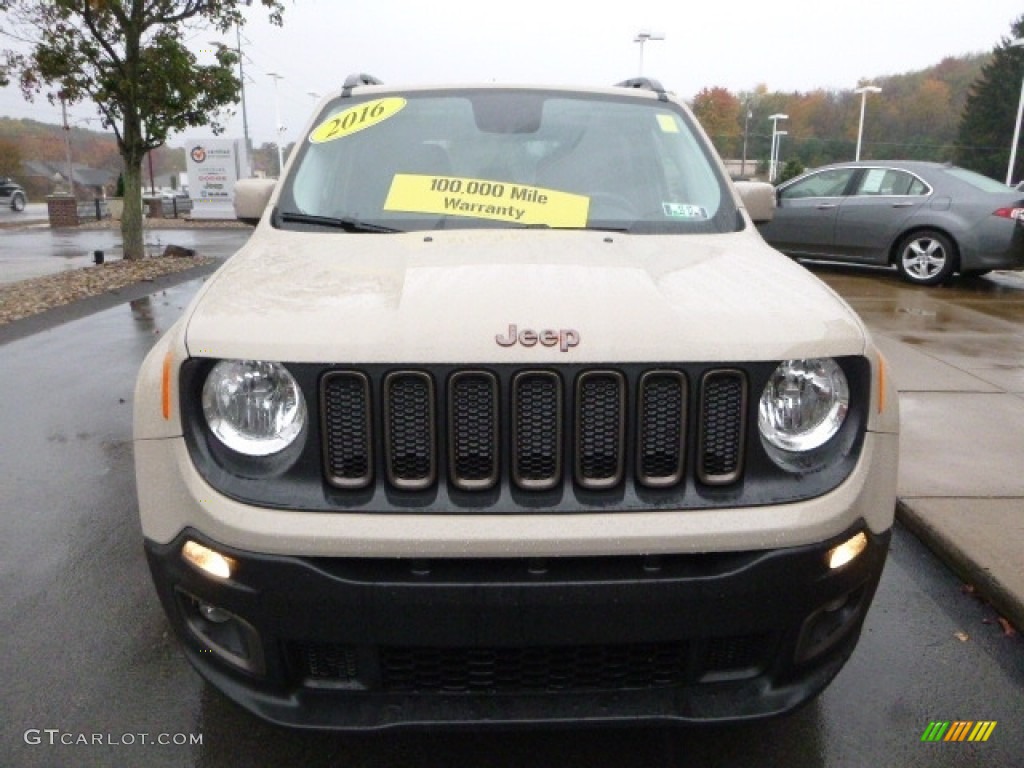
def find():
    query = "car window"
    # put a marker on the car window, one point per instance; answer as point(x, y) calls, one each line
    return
point(827, 183)
point(889, 181)
point(486, 158)
point(976, 180)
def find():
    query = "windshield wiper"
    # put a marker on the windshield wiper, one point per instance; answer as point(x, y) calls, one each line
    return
point(346, 224)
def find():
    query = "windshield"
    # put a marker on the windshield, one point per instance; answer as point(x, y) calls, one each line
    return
point(504, 158)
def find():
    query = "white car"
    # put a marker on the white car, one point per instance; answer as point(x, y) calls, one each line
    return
point(507, 414)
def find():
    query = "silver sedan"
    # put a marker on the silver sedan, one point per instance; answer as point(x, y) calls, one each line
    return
point(930, 220)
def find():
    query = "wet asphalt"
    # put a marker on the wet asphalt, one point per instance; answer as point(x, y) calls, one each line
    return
point(34, 252)
point(86, 655)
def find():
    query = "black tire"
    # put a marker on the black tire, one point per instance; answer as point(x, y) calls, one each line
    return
point(18, 202)
point(926, 257)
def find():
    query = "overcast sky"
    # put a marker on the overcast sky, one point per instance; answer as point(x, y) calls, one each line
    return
point(785, 44)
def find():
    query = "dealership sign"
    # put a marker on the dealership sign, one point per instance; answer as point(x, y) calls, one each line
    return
point(214, 165)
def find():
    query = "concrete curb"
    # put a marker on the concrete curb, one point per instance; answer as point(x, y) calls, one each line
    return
point(51, 318)
point(1005, 600)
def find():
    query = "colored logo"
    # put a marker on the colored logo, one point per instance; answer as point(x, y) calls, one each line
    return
point(958, 730)
point(198, 154)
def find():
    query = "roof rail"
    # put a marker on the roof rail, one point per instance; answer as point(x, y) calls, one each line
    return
point(647, 83)
point(355, 79)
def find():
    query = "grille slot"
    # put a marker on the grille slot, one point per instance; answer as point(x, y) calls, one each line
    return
point(325, 662)
point(723, 406)
point(473, 429)
point(536, 430)
point(600, 428)
point(733, 658)
point(409, 421)
point(346, 409)
point(661, 431)
point(571, 668)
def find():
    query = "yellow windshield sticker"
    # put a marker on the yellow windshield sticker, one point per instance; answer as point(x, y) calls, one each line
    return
point(668, 124)
point(355, 119)
point(482, 199)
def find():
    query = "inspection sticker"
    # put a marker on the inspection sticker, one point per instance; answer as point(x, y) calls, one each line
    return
point(668, 123)
point(482, 199)
point(683, 211)
point(355, 119)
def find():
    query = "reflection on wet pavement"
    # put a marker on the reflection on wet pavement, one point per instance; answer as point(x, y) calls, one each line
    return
point(36, 252)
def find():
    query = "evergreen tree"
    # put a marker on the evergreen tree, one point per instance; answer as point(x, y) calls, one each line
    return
point(988, 120)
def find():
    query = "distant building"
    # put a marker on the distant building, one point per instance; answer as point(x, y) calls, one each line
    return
point(737, 169)
point(43, 178)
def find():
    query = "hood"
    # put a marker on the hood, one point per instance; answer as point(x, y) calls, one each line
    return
point(453, 297)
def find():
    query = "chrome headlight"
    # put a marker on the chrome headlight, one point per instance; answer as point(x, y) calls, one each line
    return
point(254, 407)
point(803, 404)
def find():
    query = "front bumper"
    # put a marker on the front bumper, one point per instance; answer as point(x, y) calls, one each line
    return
point(367, 643)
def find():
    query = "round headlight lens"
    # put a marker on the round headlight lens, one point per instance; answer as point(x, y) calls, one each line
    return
point(803, 404)
point(255, 408)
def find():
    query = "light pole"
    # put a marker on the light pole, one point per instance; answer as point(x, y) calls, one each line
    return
point(642, 37)
point(864, 90)
point(67, 143)
point(778, 150)
point(280, 128)
point(773, 157)
point(1016, 127)
point(241, 79)
point(746, 132)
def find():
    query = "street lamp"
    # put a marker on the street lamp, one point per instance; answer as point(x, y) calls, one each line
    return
point(1016, 127)
point(864, 90)
point(746, 132)
point(67, 141)
point(280, 128)
point(241, 81)
point(642, 37)
point(778, 150)
point(773, 156)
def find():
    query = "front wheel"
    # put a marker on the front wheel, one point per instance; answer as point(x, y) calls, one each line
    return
point(926, 258)
point(18, 202)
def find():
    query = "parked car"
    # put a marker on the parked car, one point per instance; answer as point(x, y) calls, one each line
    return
point(12, 194)
point(505, 413)
point(930, 220)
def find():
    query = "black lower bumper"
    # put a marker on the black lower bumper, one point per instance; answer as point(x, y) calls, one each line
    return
point(368, 643)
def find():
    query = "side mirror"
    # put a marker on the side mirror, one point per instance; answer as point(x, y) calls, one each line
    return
point(251, 199)
point(758, 198)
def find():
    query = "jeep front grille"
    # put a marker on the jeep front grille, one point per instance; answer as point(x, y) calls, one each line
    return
point(536, 429)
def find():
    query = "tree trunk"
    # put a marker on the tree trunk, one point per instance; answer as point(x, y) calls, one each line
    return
point(131, 220)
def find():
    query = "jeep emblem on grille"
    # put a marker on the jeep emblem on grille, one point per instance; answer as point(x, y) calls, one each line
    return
point(565, 338)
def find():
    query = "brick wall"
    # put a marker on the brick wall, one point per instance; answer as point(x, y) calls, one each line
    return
point(63, 210)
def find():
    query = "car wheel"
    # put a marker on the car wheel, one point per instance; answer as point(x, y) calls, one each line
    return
point(18, 202)
point(926, 258)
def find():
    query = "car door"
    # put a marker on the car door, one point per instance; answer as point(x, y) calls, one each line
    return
point(805, 216)
point(874, 214)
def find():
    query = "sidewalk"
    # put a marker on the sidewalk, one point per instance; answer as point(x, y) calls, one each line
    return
point(960, 373)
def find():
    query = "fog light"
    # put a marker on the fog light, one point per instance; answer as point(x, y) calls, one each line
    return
point(207, 560)
point(213, 613)
point(848, 551)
